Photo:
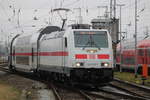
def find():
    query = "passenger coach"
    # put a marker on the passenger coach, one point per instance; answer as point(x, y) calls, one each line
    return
point(127, 54)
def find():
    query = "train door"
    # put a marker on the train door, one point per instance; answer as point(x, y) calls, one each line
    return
point(34, 58)
point(146, 56)
point(13, 56)
point(140, 55)
point(11, 52)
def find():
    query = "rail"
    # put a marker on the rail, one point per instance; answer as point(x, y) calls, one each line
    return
point(144, 88)
point(130, 88)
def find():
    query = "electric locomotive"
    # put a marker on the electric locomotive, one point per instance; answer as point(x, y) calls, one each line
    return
point(74, 55)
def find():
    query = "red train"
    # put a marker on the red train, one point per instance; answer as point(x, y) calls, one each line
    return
point(127, 57)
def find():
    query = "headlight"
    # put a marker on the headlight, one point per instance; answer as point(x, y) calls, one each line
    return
point(91, 51)
point(105, 64)
point(78, 64)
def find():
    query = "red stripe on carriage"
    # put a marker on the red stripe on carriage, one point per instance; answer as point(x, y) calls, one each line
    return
point(22, 54)
point(103, 56)
point(53, 53)
point(61, 53)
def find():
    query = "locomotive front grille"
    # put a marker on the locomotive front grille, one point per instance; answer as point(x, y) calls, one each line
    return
point(91, 75)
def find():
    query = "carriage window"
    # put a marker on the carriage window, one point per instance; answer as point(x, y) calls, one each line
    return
point(141, 52)
point(22, 60)
point(128, 60)
point(148, 52)
point(96, 39)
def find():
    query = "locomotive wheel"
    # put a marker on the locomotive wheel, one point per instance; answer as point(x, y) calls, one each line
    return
point(12, 68)
point(42, 75)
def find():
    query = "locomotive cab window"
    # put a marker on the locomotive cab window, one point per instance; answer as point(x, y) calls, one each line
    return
point(97, 39)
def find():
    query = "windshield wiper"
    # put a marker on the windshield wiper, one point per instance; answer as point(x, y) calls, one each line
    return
point(88, 42)
point(91, 42)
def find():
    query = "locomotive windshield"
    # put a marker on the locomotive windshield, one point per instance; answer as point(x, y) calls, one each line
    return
point(97, 39)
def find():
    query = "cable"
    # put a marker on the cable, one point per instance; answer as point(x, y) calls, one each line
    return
point(132, 5)
point(70, 4)
point(25, 23)
point(5, 13)
point(4, 10)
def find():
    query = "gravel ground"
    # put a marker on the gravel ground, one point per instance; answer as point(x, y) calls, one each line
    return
point(31, 89)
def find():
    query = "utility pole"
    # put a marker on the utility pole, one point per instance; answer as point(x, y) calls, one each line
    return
point(120, 5)
point(18, 20)
point(80, 16)
point(146, 32)
point(114, 8)
point(1, 35)
point(110, 8)
point(135, 36)
point(106, 11)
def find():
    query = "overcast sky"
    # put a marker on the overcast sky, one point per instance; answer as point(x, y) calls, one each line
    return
point(41, 9)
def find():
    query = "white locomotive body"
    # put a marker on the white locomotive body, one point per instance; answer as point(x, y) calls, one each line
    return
point(78, 55)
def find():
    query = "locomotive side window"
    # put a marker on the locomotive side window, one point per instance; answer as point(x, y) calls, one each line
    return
point(91, 39)
point(65, 42)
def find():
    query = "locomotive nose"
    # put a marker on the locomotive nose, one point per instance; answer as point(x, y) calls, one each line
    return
point(92, 61)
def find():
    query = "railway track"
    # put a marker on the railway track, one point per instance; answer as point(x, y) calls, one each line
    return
point(135, 90)
point(72, 93)
point(69, 93)
point(4, 69)
point(141, 87)
point(121, 95)
point(3, 64)
point(63, 93)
